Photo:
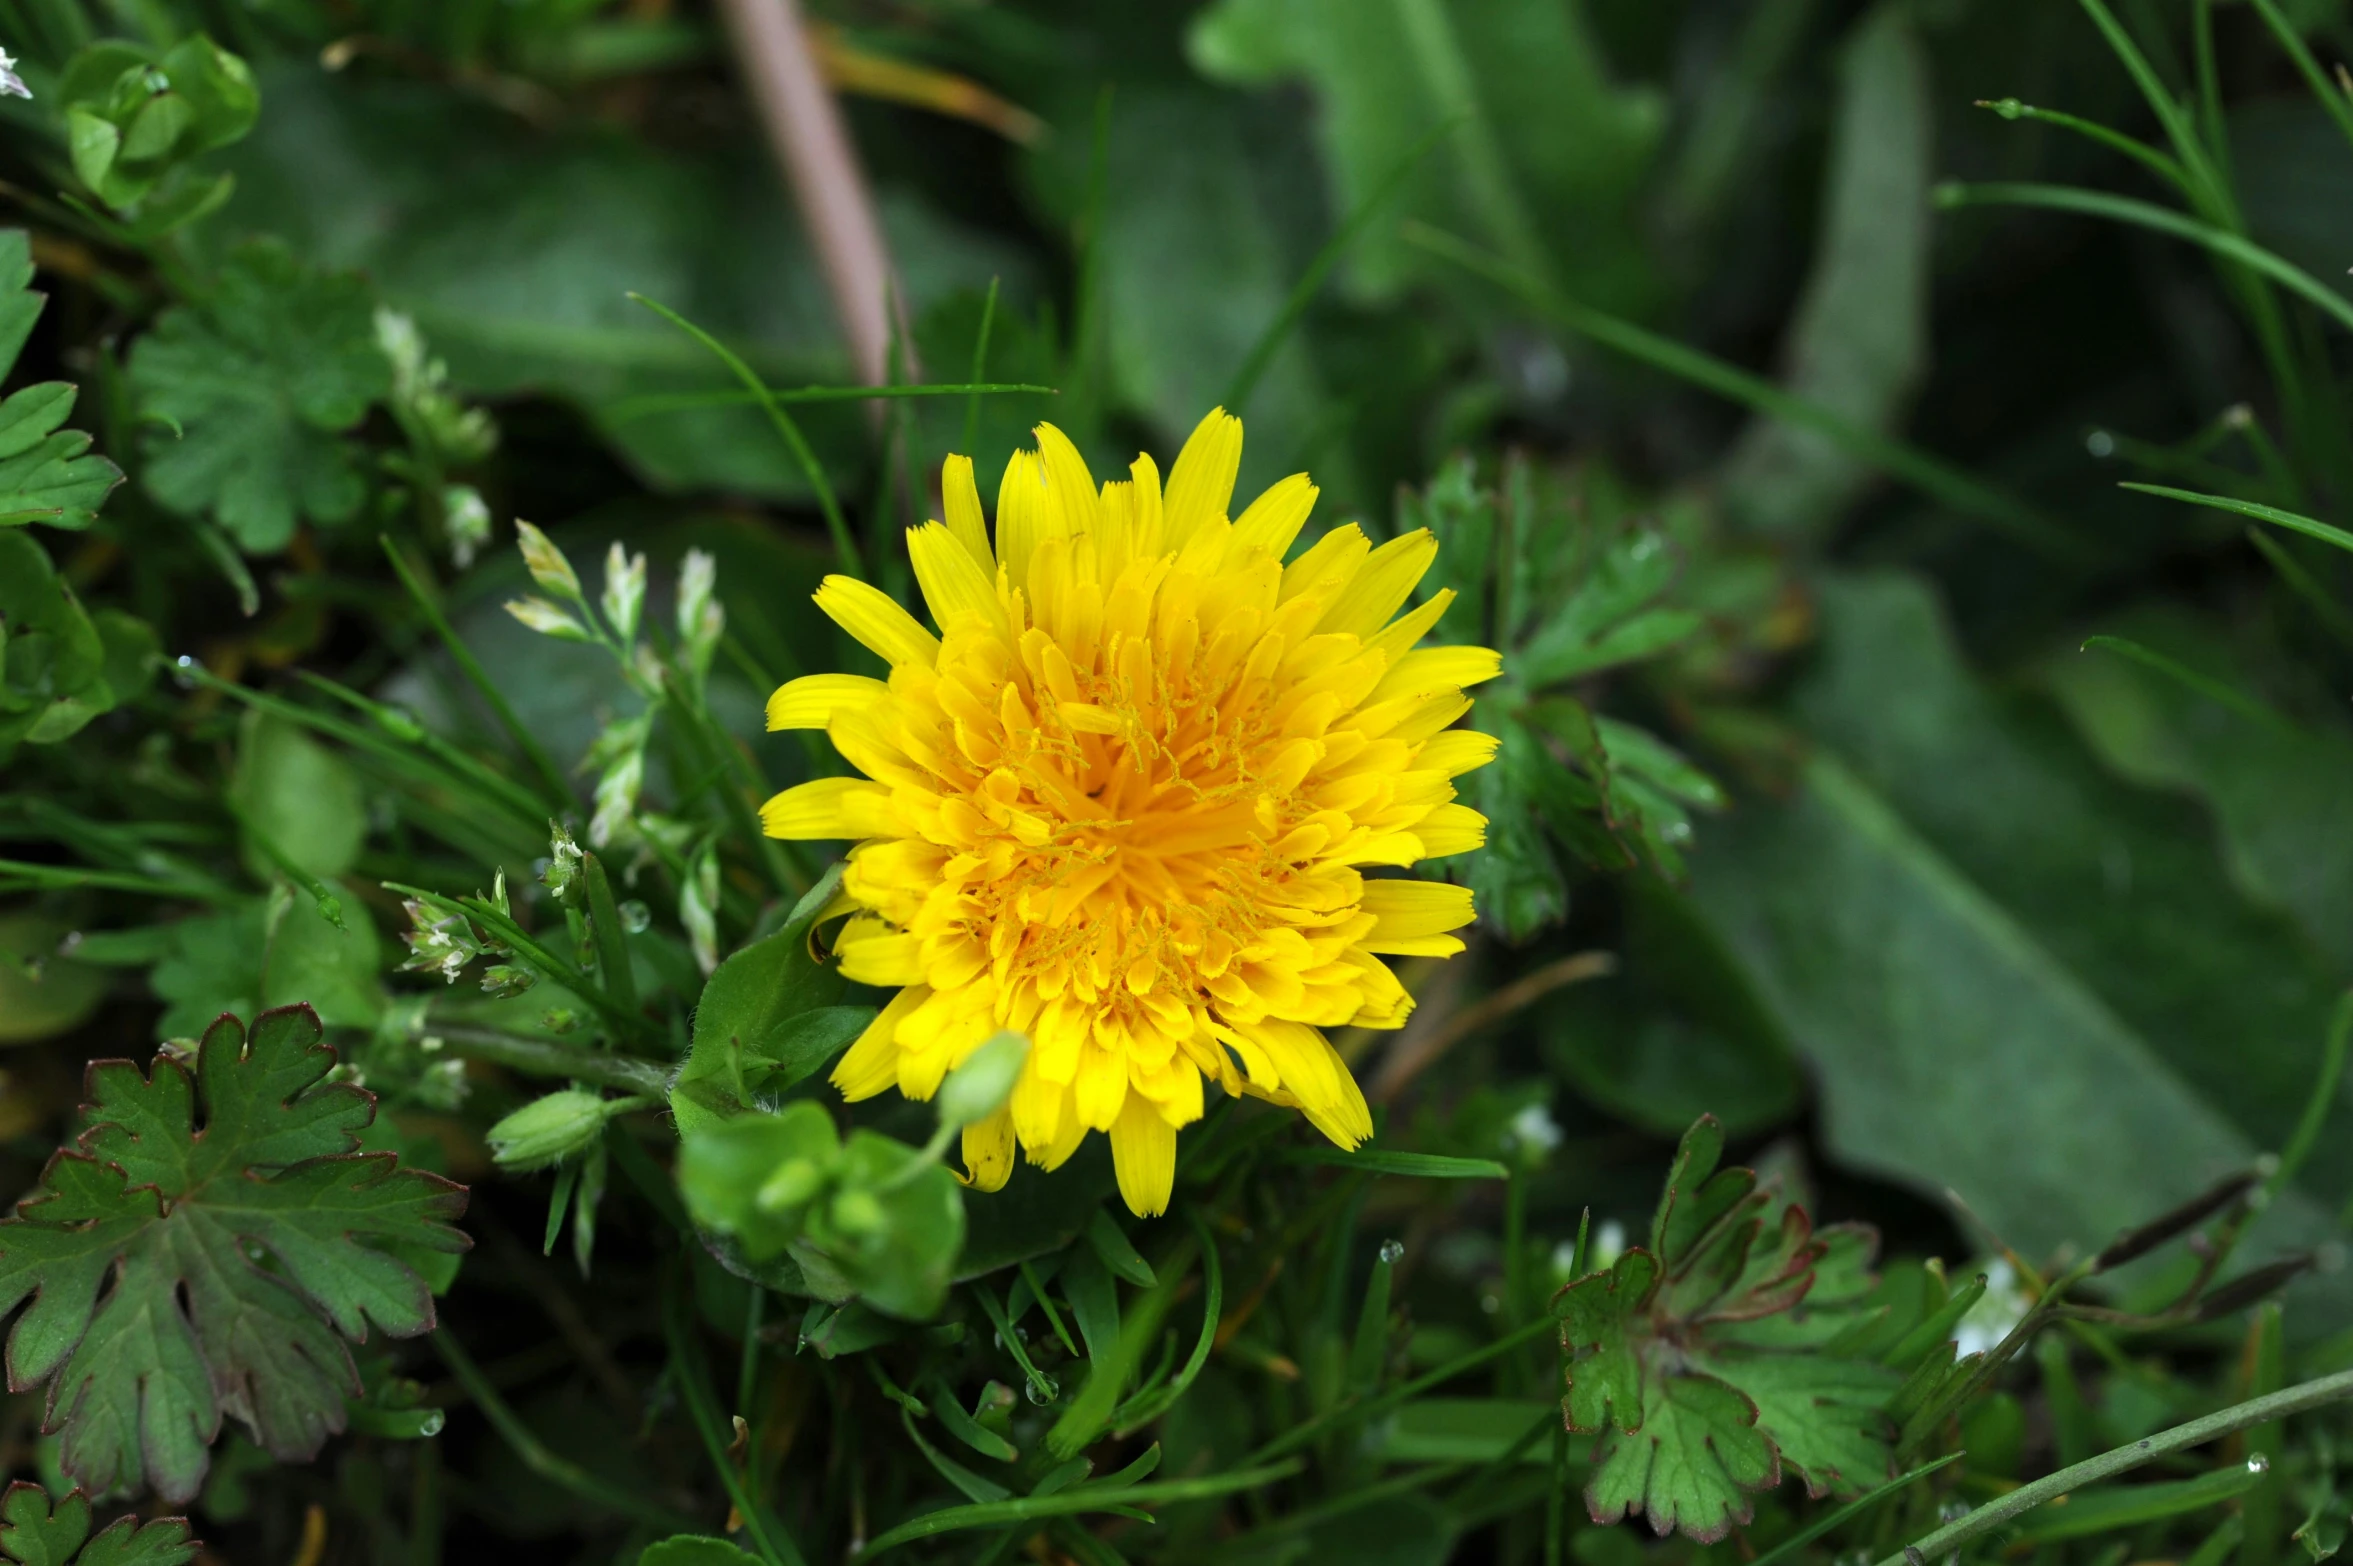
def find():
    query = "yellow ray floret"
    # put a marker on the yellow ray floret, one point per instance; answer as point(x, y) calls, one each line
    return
point(1125, 800)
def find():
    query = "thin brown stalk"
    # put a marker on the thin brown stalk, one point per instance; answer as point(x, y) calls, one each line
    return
point(806, 132)
point(1417, 1049)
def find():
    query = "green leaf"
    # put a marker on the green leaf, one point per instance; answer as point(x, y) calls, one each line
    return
point(261, 380)
point(53, 656)
point(768, 1012)
point(42, 994)
point(869, 1215)
point(32, 1533)
point(1675, 1032)
point(191, 1328)
point(305, 797)
point(1687, 1360)
point(2272, 788)
point(1543, 159)
point(1690, 1466)
point(1958, 901)
point(1858, 344)
point(691, 1549)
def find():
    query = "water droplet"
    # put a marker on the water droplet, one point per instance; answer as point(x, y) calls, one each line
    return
point(2259, 1464)
point(1042, 1389)
point(1490, 1303)
point(636, 917)
point(1952, 1511)
point(184, 672)
point(1392, 1251)
point(431, 1424)
point(2100, 444)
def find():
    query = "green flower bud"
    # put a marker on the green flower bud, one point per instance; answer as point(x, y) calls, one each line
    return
point(978, 1088)
point(857, 1212)
point(551, 1129)
point(796, 1180)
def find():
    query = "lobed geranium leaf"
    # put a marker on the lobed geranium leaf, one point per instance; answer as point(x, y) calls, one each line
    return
point(1692, 1465)
point(260, 382)
point(1695, 1364)
point(32, 1533)
point(46, 473)
point(243, 1255)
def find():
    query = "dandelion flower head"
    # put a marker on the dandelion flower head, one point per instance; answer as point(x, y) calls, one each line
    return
point(1125, 801)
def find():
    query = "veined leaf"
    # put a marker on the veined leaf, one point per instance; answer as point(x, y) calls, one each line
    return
point(34, 1533)
point(195, 1326)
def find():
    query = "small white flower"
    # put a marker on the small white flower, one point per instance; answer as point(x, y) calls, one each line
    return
point(11, 84)
point(2002, 1307)
point(1535, 1130)
point(467, 517)
point(624, 592)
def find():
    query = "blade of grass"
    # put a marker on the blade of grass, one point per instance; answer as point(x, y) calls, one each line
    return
point(1148, 1406)
point(18, 875)
point(2249, 508)
point(551, 777)
point(2207, 686)
point(1851, 1510)
point(653, 403)
point(597, 1491)
point(980, 362)
point(402, 726)
point(1931, 476)
point(689, 1374)
point(1367, 1410)
point(2291, 43)
point(1068, 1503)
point(2163, 220)
point(2139, 151)
point(1311, 281)
point(2304, 585)
point(835, 524)
point(1949, 1539)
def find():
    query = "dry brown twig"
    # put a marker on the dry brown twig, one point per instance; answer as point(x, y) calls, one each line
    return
point(1422, 1044)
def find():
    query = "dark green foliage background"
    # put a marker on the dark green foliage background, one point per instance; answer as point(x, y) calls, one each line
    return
point(1958, 928)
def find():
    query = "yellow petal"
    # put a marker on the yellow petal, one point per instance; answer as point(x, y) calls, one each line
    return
point(1143, 1152)
point(1456, 752)
point(872, 1063)
point(1070, 488)
point(1275, 517)
point(871, 952)
point(1202, 482)
point(1398, 637)
point(848, 808)
point(1416, 907)
point(1022, 523)
point(960, 498)
point(953, 583)
point(1382, 583)
point(1151, 536)
point(811, 701)
point(988, 1152)
point(1451, 829)
point(1437, 669)
point(875, 618)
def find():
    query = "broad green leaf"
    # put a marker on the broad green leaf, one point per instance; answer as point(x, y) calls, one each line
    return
point(1858, 344)
point(514, 248)
point(1545, 152)
point(758, 1017)
point(302, 795)
point(261, 380)
point(1674, 1033)
point(1193, 266)
point(54, 656)
point(190, 1329)
point(1463, 1430)
point(2018, 977)
point(691, 1549)
point(2275, 789)
point(42, 993)
point(1826, 1414)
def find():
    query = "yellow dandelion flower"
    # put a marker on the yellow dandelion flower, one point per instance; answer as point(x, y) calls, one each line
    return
point(1123, 801)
